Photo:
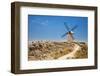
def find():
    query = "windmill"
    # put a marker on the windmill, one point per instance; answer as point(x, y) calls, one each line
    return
point(69, 33)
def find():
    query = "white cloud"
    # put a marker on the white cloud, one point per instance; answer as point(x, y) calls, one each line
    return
point(38, 21)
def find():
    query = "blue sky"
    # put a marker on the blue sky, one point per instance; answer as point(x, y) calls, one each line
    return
point(46, 27)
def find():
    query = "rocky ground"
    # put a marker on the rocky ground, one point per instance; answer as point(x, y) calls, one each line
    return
point(57, 50)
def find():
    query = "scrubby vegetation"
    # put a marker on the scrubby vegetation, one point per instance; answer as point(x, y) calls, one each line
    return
point(48, 50)
point(54, 50)
point(83, 52)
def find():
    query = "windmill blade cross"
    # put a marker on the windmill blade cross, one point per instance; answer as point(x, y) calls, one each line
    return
point(74, 28)
point(66, 26)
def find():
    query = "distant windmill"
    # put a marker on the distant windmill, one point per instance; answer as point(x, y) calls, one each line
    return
point(69, 33)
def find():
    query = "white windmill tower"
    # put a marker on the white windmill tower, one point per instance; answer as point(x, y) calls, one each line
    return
point(69, 33)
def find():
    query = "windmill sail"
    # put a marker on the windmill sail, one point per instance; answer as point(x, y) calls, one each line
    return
point(74, 28)
point(66, 26)
point(64, 35)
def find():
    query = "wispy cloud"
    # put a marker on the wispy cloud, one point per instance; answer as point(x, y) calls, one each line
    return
point(45, 22)
point(38, 21)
